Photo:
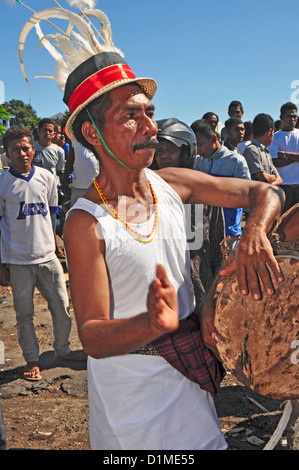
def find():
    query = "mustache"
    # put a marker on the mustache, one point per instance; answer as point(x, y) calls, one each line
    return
point(151, 144)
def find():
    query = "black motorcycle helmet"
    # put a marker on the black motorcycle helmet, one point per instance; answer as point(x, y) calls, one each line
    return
point(182, 136)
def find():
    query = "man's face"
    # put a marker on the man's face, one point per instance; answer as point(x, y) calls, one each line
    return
point(205, 147)
point(47, 133)
point(289, 120)
point(213, 121)
point(130, 129)
point(236, 134)
point(167, 154)
point(20, 152)
point(236, 111)
point(57, 135)
point(270, 134)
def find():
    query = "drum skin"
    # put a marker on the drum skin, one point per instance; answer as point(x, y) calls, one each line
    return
point(288, 227)
point(258, 341)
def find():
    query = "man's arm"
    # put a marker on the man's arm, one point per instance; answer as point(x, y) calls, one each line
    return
point(281, 157)
point(195, 187)
point(60, 163)
point(265, 177)
point(285, 158)
point(4, 275)
point(100, 335)
point(69, 165)
point(253, 159)
point(254, 254)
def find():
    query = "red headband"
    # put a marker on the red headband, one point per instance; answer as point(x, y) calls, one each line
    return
point(97, 81)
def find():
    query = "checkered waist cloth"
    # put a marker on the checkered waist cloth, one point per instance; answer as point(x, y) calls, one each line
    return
point(185, 350)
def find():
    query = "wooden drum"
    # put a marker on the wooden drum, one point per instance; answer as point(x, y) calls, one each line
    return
point(258, 341)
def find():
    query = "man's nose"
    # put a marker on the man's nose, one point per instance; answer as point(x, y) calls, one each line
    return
point(150, 125)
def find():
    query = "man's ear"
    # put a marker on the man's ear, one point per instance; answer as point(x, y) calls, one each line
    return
point(90, 133)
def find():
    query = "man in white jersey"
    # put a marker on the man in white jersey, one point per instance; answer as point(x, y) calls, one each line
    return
point(284, 151)
point(130, 279)
point(28, 196)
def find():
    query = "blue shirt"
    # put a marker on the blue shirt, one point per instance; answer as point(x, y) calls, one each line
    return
point(227, 163)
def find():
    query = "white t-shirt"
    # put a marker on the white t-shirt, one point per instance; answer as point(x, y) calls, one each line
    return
point(242, 146)
point(51, 158)
point(286, 142)
point(86, 166)
point(26, 204)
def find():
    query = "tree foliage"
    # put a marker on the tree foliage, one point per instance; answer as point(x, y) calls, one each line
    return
point(63, 120)
point(24, 114)
point(4, 115)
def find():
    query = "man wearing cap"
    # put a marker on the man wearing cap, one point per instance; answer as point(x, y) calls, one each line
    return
point(132, 220)
point(130, 279)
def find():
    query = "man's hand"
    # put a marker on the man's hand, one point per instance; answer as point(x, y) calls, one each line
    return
point(162, 303)
point(4, 276)
point(253, 261)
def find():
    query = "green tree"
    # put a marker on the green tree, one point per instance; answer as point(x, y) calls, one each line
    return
point(4, 115)
point(63, 119)
point(24, 114)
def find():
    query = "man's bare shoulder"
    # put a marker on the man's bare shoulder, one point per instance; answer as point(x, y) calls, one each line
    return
point(78, 221)
point(82, 227)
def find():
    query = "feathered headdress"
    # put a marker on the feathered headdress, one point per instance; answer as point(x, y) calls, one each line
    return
point(87, 62)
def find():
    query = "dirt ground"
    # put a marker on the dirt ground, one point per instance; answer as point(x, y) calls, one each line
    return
point(53, 414)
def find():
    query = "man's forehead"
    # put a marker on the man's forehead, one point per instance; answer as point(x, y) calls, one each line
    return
point(166, 143)
point(127, 94)
point(291, 112)
point(20, 142)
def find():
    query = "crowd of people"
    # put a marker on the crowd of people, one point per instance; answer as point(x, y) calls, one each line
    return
point(134, 290)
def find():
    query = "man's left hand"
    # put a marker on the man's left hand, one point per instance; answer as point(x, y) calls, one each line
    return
point(253, 262)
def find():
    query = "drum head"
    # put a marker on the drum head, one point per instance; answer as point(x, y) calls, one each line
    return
point(258, 341)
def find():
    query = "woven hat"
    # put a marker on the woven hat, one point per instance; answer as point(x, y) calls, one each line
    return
point(87, 62)
point(96, 76)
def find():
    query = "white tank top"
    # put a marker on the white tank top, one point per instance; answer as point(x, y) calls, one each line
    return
point(132, 264)
point(139, 401)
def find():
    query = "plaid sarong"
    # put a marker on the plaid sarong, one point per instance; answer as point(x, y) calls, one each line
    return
point(185, 350)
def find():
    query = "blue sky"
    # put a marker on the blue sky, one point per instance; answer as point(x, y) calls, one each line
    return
point(203, 54)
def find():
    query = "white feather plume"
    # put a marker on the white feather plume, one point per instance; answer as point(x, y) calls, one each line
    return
point(76, 47)
point(43, 41)
point(11, 2)
point(82, 4)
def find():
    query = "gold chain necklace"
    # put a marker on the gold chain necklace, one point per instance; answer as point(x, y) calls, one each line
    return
point(139, 236)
